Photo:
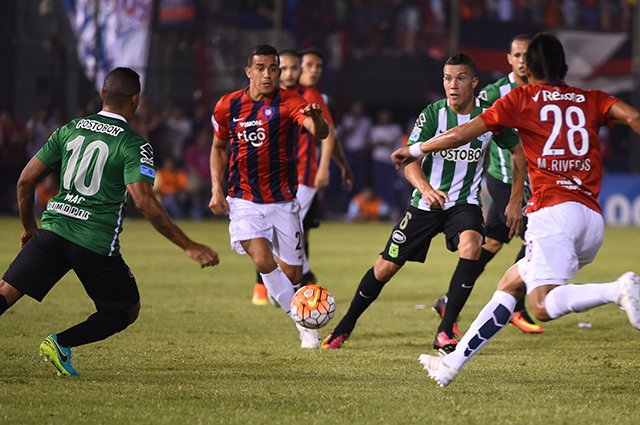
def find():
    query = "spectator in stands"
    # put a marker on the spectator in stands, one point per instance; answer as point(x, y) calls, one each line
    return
point(45, 190)
point(171, 187)
point(196, 159)
point(177, 130)
point(354, 132)
point(366, 206)
point(386, 137)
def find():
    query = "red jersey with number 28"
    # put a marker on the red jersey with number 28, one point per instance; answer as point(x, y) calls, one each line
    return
point(558, 126)
point(307, 143)
point(262, 135)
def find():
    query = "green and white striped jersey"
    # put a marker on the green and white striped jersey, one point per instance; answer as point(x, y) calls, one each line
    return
point(458, 172)
point(98, 156)
point(499, 159)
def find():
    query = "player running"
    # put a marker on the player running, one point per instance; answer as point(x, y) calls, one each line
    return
point(446, 200)
point(259, 124)
point(312, 175)
point(101, 160)
point(558, 126)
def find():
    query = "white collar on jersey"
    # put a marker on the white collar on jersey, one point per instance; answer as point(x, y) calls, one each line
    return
point(112, 115)
point(512, 78)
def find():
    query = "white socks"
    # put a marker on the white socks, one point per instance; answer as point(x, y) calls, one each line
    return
point(491, 319)
point(576, 298)
point(279, 287)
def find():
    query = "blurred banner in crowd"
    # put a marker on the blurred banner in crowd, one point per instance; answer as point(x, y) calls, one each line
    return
point(620, 199)
point(111, 33)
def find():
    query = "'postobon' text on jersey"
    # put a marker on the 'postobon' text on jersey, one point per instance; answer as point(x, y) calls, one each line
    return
point(98, 156)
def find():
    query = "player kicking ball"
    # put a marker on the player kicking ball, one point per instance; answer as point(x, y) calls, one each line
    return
point(558, 127)
point(101, 160)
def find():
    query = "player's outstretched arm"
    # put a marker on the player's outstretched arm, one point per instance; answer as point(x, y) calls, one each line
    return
point(315, 124)
point(146, 202)
point(217, 163)
point(623, 113)
point(450, 139)
point(513, 211)
point(31, 175)
point(322, 176)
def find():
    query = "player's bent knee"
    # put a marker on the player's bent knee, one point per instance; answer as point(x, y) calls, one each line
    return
point(133, 312)
point(384, 270)
point(540, 313)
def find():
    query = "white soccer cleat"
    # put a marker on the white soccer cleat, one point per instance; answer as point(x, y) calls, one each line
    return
point(435, 367)
point(309, 338)
point(629, 299)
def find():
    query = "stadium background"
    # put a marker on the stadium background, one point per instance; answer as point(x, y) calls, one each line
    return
point(387, 54)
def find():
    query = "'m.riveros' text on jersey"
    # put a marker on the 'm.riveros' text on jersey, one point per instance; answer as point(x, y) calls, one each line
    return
point(262, 134)
point(558, 126)
point(98, 156)
point(458, 172)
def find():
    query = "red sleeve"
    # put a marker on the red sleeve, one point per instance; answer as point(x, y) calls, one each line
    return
point(503, 113)
point(314, 96)
point(604, 102)
point(220, 119)
point(295, 103)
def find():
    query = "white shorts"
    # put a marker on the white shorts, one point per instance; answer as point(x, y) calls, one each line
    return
point(561, 239)
point(305, 196)
point(279, 223)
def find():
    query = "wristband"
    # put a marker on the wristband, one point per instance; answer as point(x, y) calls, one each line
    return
point(415, 151)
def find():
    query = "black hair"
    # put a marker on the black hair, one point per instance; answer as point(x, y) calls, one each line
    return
point(289, 52)
point(519, 37)
point(545, 58)
point(263, 50)
point(462, 59)
point(312, 51)
point(119, 86)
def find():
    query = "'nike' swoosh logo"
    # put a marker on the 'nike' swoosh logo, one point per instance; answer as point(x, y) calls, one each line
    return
point(364, 296)
point(464, 285)
point(535, 98)
point(314, 301)
point(63, 356)
point(237, 119)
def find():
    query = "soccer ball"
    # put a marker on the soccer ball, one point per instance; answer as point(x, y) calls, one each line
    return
point(312, 306)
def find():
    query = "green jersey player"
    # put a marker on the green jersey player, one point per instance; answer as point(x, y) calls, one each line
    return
point(499, 177)
point(101, 160)
point(446, 200)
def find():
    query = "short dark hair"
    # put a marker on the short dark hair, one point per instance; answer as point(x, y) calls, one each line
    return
point(545, 58)
point(289, 52)
point(519, 37)
point(462, 59)
point(263, 50)
point(119, 86)
point(312, 51)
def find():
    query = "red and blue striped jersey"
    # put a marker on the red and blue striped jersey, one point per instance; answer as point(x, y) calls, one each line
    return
point(261, 135)
point(306, 142)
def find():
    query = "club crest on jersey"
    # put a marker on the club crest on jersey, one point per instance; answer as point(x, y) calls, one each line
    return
point(267, 111)
point(146, 154)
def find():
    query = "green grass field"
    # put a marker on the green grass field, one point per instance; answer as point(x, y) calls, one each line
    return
point(201, 353)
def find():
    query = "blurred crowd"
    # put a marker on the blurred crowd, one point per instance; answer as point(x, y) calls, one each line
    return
point(181, 137)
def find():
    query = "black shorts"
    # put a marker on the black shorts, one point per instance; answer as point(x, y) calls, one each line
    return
point(411, 237)
point(47, 257)
point(312, 219)
point(496, 220)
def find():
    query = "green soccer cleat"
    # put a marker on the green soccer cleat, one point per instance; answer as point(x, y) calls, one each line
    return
point(59, 356)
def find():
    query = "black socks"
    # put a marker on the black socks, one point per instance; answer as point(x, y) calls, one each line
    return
point(97, 327)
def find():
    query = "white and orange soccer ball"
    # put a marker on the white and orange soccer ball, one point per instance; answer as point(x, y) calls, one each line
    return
point(312, 306)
